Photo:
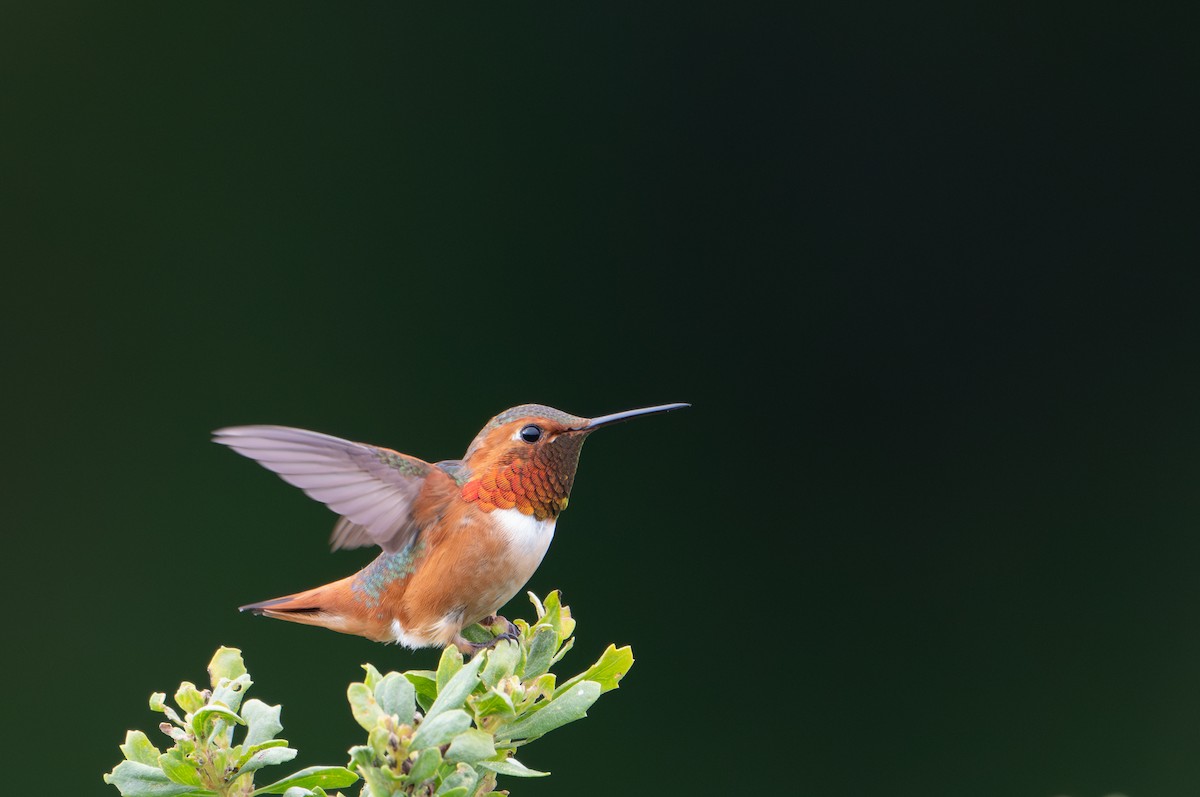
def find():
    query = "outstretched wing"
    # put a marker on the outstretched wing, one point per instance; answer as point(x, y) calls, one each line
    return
point(372, 488)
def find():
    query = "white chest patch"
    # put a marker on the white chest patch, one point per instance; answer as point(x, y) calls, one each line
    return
point(404, 638)
point(528, 537)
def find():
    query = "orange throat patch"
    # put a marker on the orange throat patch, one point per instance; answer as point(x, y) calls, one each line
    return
point(523, 486)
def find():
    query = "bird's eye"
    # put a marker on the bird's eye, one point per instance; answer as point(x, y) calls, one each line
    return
point(531, 434)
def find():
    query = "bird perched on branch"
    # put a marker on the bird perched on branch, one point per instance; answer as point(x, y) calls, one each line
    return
point(459, 537)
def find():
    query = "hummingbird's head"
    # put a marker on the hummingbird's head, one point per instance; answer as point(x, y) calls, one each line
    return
point(525, 457)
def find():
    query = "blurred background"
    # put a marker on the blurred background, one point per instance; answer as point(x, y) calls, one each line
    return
point(927, 274)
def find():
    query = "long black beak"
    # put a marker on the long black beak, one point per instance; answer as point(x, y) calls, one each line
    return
point(617, 417)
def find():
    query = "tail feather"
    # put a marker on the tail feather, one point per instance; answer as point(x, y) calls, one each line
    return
point(325, 606)
point(276, 604)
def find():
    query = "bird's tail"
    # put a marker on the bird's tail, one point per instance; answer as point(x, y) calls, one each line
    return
point(327, 606)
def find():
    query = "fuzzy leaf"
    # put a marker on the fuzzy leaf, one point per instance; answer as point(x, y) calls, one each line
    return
point(266, 757)
point(471, 746)
point(262, 722)
point(226, 663)
point(502, 662)
point(541, 687)
point(178, 768)
point(541, 651)
point(426, 765)
point(363, 706)
point(188, 697)
point(395, 695)
point(511, 766)
point(492, 703)
point(379, 781)
point(140, 780)
point(450, 663)
point(373, 676)
point(564, 650)
point(325, 777)
point(158, 702)
point(558, 616)
point(571, 705)
point(230, 693)
point(608, 670)
point(138, 748)
point(455, 691)
point(476, 633)
point(460, 783)
point(378, 738)
point(211, 713)
point(438, 730)
point(361, 757)
point(425, 683)
point(242, 753)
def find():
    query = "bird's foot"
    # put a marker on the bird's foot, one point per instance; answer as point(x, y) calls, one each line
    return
point(498, 627)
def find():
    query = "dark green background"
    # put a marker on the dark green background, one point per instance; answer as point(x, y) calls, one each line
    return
point(926, 274)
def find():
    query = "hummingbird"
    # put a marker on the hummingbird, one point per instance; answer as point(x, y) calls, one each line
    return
point(459, 538)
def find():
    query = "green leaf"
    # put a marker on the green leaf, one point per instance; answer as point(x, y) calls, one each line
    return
point(138, 748)
point(460, 783)
point(178, 734)
point(564, 650)
point(140, 780)
point(492, 703)
point(511, 766)
point(471, 746)
point(243, 753)
point(477, 633)
point(608, 670)
point(541, 651)
point(558, 616)
point(178, 768)
point(230, 693)
point(213, 711)
point(541, 687)
point(267, 757)
point(188, 697)
point(378, 738)
point(226, 663)
point(363, 706)
point(450, 663)
point(455, 691)
point(373, 676)
point(426, 765)
point(262, 722)
point(158, 702)
point(325, 777)
point(502, 662)
point(395, 695)
point(537, 605)
point(571, 705)
point(380, 782)
point(440, 729)
point(425, 683)
point(361, 757)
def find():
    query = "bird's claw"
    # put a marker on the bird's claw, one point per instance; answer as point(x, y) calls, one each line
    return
point(510, 633)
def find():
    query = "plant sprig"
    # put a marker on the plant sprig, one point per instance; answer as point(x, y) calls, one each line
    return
point(448, 732)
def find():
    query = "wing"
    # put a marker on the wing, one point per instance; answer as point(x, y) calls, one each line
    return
point(372, 488)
